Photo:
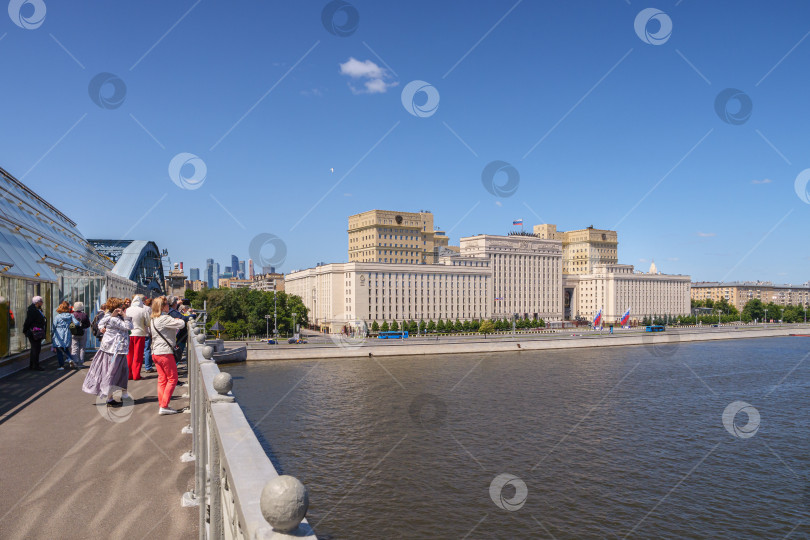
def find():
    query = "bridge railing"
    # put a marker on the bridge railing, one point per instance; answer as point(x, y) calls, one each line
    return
point(239, 493)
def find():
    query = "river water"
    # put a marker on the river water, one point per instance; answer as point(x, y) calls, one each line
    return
point(618, 442)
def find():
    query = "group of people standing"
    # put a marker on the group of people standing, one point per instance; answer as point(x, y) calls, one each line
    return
point(133, 333)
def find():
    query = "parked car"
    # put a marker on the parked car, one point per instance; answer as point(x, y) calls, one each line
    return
point(271, 341)
point(293, 341)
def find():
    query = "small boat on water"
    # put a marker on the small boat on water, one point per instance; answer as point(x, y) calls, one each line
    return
point(230, 356)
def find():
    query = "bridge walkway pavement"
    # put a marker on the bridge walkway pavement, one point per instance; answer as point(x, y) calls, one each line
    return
point(70, 469)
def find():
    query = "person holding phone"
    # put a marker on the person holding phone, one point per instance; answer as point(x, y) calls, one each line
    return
point(164, 330)
point(108, 371)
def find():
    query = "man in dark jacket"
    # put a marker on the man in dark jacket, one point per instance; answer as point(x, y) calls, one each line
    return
point(34, 329)
point(182, 335)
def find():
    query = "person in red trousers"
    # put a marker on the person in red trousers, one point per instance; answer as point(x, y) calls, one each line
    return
point(164, 329)
point(140, 315)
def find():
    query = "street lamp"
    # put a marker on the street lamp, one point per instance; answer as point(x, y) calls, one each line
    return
point(267, 321)
point(766, 316)
point(294, 314)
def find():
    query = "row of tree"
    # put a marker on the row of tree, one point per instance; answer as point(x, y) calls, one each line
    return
point(450, 327)
point(754, 310)
point(242, 311)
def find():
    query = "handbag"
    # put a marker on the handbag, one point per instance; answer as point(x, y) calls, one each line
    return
point(37, 333)
point(177, 351)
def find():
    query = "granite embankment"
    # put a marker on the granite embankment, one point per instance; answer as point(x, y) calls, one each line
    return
point(477, 344)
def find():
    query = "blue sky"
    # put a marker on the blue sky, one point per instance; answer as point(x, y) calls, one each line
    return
point(603, 127)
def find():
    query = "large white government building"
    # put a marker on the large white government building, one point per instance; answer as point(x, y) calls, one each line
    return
point(486, 277)
point(615, 288)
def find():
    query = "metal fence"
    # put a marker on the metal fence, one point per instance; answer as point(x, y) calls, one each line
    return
point(239, 493)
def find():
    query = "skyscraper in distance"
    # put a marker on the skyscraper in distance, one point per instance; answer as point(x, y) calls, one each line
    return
point(234, 265)
point(251, 274)
point(194, 274)
point(241, 270)
point(209, 273)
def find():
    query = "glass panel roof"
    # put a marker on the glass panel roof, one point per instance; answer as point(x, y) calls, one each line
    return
point(38, 240)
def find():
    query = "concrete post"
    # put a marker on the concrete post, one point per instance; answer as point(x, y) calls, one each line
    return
point(216, 490)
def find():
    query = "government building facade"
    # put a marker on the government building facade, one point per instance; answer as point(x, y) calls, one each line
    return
point(401, 268)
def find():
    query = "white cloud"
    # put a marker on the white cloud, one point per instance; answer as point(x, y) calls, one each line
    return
point(498, 203)
point(763, 181)
point(312, 92)
point(375, 79)
point(706, 234)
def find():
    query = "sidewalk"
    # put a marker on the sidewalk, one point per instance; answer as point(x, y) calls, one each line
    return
point(72, 469)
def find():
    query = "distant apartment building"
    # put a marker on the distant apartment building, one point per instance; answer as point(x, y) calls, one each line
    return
point(583, 249)
point(268, 282)
point(194, 274)
point(392, 237)
point(234, 283)
point(738, 293)
point(196, 284)
point(615, 288)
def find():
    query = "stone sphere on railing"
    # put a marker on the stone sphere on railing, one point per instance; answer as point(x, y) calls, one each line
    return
point(223, 383)
point(284, 503)
point(208, 352)
point(199, 338)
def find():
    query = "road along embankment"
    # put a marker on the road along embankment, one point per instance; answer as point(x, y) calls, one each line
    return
point(420, 346)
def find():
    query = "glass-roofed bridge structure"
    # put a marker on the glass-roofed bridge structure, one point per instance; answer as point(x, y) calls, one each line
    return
point(42, 253)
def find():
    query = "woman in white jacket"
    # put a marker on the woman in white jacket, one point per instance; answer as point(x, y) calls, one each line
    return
point(108, 372)
point(164, 338)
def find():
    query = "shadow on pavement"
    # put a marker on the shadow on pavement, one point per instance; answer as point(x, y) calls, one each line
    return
point(22, 388)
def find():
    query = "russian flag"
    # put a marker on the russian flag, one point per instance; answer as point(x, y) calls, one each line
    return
point(626, 317)
point(517, 222)
point(598, 319)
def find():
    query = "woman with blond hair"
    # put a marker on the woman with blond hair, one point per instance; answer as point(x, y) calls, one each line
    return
point(61, 335)
point(164, 329)
point(108, 371)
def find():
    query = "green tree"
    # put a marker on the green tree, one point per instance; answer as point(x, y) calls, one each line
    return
point(774, 312)
point(384, 327)
point(422, 326)
point(440, 326)
point(242, 311)
point(754, 309)
point(486, 327)
point(394, 326)
point(431, 326)
point(459, 326)
point(375, 327)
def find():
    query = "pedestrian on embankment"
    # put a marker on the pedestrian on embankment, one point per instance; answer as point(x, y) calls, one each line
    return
point(60, 335)
point(175, 304)
point(164, 330)
point(102, 311)
point(108, 372)
point(140, 315)
point(148, 365)
point(78, 342)
point(34, 330)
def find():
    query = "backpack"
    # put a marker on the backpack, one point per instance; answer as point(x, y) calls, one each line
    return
point(76, 328)
point(94, 325)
